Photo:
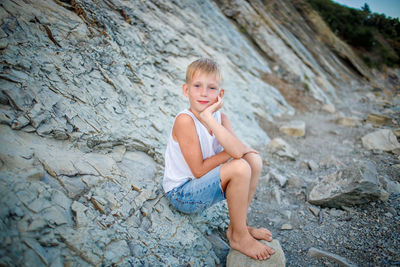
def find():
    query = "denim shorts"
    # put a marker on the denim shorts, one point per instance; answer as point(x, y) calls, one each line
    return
point(195, 195)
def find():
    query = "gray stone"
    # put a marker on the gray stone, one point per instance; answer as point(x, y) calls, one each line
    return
point(314, 210)
point(115, 252)
point(32, 257)
point(81, 220)
point(74, 186)
point(355, 184)
point(286, 226)
point(37, 223)
point(336, 212)
point(294, 128)
point(237, 259)
point(317, 253)
point(138, 168)
point(328, 108)
point(48, 239)
point(382, 139)
point(396, 132)
point(39, 204)
point(56, 215)
point(118, 153)
point(279, 178)
point(348, 121)
point(60, 199)
point(312, 165)
point(329, 162)
point(281, 148)
point(17, 211)
point(295, 182)
point(220, 247)
point(379, 120)
point(87, 242)
point(39, 250)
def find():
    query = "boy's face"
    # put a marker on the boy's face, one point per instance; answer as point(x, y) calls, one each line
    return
point(202, 91)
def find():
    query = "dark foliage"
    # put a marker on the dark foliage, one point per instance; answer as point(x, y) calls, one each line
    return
point(375, 36)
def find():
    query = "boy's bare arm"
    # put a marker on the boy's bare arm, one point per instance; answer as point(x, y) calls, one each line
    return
point(184, 132)
point(224, 133)
point(227, 124)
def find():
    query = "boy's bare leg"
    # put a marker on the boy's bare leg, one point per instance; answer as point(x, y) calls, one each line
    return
point(235, 181)
point(255, 162)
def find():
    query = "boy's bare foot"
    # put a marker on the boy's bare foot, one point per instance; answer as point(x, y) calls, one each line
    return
point(257, 233)
point(260, 233)
point(249, 246)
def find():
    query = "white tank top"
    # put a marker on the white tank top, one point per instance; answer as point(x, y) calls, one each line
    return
point(176, 169)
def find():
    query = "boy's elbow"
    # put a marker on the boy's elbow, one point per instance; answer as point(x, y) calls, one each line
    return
point(197, 174)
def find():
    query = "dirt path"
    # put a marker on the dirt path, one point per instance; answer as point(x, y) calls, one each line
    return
point(366, 235)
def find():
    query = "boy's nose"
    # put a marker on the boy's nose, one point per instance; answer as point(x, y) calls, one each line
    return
point(204, 91)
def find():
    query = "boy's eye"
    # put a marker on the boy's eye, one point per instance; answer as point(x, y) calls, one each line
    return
point(196, 85)
point(213, 88)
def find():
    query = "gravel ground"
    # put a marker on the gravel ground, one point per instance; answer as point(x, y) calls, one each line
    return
point(365, 235)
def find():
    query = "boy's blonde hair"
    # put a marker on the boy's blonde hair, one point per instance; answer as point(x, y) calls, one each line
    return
point(204, 65)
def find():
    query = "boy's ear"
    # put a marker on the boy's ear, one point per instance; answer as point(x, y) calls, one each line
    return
point(222, 93)
point(185, 89)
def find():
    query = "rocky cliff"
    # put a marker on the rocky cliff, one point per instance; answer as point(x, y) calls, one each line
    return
point(89, 91)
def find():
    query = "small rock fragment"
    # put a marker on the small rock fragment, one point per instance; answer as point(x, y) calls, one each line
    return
point(317, 253)
point(348, 121)
point(312, 165)
point(329, 108)
point(295, 182)
point(281, 148)
point(79, 212)
point(330, 161)
point(286, 226)
point(98, 203)
point(379, 119)
point(274, 175)
point(294, 128)
point(314, 210)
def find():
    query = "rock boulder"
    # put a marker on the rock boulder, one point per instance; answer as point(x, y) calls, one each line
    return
point(237, 259)
point(355, 184)
point(382, 139)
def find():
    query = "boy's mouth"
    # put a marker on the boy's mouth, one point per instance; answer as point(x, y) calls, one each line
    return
point(203, 102)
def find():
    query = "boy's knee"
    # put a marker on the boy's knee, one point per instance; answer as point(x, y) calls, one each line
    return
point(255, 161)
point(241, 168)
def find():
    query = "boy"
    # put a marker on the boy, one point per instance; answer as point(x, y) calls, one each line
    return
point(205, 162)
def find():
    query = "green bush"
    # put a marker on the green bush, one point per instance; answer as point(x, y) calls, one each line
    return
point(364, 30)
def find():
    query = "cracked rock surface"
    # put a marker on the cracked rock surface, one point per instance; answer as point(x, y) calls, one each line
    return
point(88, 94)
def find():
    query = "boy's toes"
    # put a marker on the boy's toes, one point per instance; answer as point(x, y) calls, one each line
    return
point(266, 256)
point(260, 233)
point(270, 251)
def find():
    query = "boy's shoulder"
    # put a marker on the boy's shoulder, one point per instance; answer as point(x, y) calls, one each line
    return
point(183, 125)
point(184, 118)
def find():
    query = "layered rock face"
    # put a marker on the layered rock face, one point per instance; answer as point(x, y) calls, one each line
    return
point(89, 91)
